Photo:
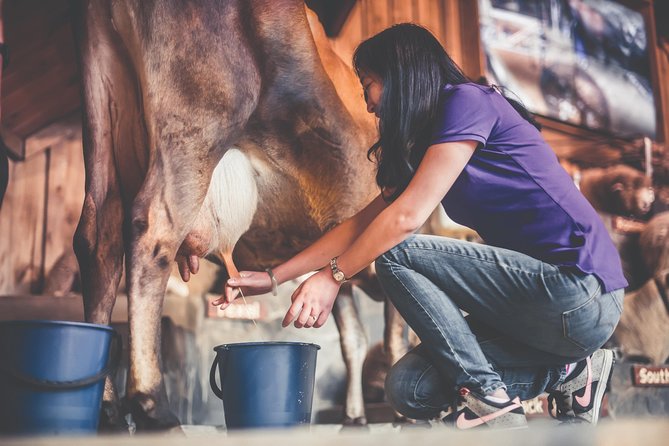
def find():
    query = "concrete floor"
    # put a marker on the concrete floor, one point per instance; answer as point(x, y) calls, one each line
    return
point(624, 432)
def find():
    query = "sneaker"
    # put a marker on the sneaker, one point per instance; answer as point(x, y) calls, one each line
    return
point(476, 411)
point(579, 398)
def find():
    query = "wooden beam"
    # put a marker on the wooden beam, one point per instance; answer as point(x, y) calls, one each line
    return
point(470, 39)
point(67, 129)
point(14, 144)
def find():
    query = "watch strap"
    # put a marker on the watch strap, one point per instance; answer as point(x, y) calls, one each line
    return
point(336, 271)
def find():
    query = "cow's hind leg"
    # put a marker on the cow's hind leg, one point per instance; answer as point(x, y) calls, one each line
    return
point(98, 244)
point(353, 348)
point(98, 240)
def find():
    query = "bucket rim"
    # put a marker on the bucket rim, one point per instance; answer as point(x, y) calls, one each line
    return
point(57, 323)
point(267, 343)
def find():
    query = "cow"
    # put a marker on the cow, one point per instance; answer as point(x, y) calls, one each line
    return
point(169, 90)
point(618, 190)
point(643, 331)
point(623, 196)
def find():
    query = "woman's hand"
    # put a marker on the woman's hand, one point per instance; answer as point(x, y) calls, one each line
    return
point(251, 284)
point(313, 301)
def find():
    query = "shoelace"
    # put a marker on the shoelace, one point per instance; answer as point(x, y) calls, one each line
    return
point(559, 401)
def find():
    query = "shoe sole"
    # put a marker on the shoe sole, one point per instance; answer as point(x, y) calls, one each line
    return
point(603, 383)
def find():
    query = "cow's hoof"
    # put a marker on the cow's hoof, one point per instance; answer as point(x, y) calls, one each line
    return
point(150, 416)
point(410, 423)
point(354, 423)
point(112, 421)
point(399, 419)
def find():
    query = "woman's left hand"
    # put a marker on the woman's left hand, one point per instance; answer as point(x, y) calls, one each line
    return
point(313, 301)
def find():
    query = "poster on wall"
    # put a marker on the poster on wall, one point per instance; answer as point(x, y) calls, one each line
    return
point(584, 62)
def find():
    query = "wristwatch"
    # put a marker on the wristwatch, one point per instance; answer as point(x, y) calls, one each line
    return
point(337, 274)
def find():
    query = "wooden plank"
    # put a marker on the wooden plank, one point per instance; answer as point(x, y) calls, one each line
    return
point(185, 313)
point(400, 11)
point(43, 59)
point(376, 14)
point(472, 58)
point(6, 259)
point(65, 195)
point(26, 307)
point(22, 226)
point(26, 19)
point(350, 35)
point(17, 101)
point(662, 90)
point(53, 106)
point(66, 129)
point(431, 16)
point(15, 144)
point(451, 32)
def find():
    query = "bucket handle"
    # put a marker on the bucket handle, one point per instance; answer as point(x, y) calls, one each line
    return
point(45, 384)
point(218, 391)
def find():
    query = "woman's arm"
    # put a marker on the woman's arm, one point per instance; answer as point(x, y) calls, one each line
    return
point(315, 256)
point(439, 169)
point(331, 244)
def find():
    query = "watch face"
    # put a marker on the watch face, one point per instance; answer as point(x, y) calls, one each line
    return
point(338, 276)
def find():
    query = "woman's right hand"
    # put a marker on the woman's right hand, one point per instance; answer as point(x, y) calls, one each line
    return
point(251, 283)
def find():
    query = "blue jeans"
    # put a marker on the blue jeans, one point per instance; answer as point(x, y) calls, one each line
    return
point(525, 320)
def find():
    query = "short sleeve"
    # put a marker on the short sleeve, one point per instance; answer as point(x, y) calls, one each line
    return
point(465, 112)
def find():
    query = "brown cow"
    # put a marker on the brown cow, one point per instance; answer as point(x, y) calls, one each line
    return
point(643, 331)
point(618, 190)
point(169, 88)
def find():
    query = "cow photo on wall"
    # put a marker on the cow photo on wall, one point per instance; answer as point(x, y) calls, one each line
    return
point(585, 62)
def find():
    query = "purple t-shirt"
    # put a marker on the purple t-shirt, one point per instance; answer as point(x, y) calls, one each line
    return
point(514, 192)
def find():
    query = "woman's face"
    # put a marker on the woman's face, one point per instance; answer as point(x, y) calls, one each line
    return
point(372, 87)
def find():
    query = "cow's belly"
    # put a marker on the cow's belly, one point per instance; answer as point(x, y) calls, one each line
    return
point(284, 222)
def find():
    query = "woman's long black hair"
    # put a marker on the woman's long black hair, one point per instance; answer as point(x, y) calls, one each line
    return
point(414, 68)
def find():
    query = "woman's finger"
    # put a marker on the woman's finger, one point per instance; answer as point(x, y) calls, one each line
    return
point(226, 299)
point(311, 321)
point(292, 313)
point(322, 318)
point(304, 318)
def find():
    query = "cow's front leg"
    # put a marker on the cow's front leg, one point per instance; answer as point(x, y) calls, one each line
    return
point(145, 392)
point(353, 348)
point(159, 218)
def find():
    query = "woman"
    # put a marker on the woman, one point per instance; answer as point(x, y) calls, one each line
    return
point(542, 295)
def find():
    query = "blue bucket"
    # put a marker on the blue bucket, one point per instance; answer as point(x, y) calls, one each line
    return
point(265, 384)
point(52, 376)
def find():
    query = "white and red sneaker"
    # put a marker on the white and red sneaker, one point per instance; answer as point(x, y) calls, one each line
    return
point(579, 398)
point(477, 411)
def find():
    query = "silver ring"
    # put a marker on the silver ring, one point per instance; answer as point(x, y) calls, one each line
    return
point(313, 317)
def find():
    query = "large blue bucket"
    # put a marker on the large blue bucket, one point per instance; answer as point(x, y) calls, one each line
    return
point(52, 376)
point(265, 384)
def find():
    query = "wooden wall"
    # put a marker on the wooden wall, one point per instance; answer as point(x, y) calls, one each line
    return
point(45, 193)
point(455, 24)
point(41, 207)
point(442, 17)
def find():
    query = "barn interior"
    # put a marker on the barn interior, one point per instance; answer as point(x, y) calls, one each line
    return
point(41, 130)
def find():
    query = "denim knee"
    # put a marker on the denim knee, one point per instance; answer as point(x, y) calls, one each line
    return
point(406, 392)
point(385, 261)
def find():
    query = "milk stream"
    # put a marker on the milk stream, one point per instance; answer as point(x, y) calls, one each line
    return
point(248, 314)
